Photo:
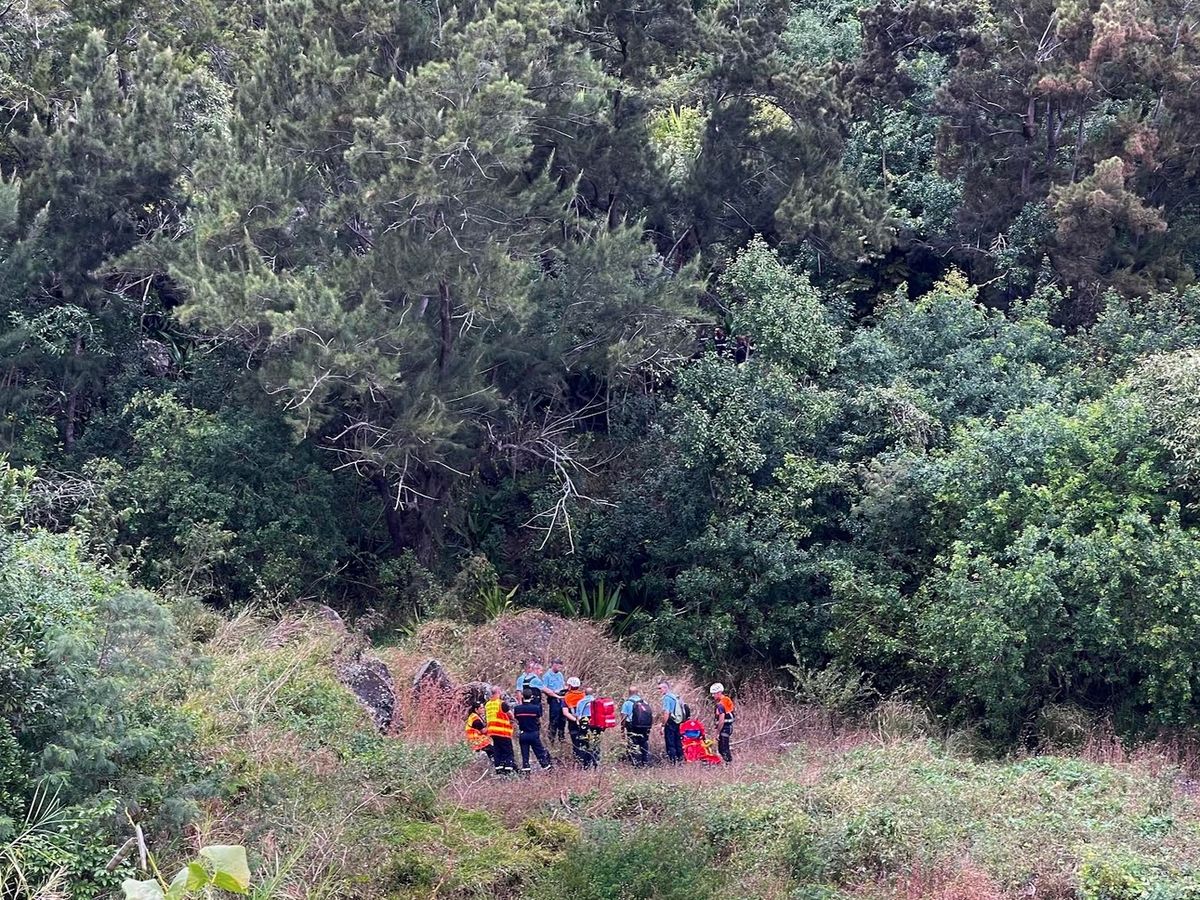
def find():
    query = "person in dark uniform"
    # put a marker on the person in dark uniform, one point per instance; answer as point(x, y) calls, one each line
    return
point(529, 722)
point(636, 720)
point(741, 349)
point(585, 740)
point(555, 680)
point(720, 343)
point(673, 715)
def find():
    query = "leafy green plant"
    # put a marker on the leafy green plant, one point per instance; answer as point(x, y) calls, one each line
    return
point(216, 867)
point(598, 603)
point(27, 855)
point(835, 688)
point(662, 861)
point(496, 601)
point(1127, 877)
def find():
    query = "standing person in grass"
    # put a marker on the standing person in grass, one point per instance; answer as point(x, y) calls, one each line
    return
point(528, 677)
point(555, 681)
point(586, 740)
point(571, 698)
point(636, 722)
point(500, 730)
point(723, 713)
point(674, 711)
point(529, 721)
point(532, 678)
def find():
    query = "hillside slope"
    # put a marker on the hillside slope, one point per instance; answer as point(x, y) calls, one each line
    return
point(332, 808)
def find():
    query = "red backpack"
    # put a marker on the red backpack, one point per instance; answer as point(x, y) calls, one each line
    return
point(603, 714)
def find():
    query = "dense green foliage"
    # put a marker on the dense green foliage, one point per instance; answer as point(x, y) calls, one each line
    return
point(408, 309)
point(90, 682)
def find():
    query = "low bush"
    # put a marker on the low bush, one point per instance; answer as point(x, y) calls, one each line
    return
point(1122, 876)
point(91, 675)
point(663, 862)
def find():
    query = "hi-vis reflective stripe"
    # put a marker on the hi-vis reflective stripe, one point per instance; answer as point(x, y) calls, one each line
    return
point(727, 705)
point(476, 729)
point(499, 723)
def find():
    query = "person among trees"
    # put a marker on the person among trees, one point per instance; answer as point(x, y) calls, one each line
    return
point(585, 739)
point(476, 730)
point(673, 714)
point(529, 723)
point(723, 714)
point(720, 342)
point(636, 721)
point(555, 681)
point(500, 730)
point(741, 349)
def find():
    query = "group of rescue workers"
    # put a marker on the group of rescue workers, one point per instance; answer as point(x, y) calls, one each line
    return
point(576, 712)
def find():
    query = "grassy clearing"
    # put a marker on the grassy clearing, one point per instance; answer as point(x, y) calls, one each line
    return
point(331, 809)
point(907, 820)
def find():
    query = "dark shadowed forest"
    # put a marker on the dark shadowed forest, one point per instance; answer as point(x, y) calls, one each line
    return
point(849, 349)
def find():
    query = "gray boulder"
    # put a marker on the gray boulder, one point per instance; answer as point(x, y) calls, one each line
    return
point(372, 684)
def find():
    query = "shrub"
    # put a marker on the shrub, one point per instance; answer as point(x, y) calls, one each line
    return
point(664, 862)
point(89, 684)
point(220, 506)
point(1125, 877)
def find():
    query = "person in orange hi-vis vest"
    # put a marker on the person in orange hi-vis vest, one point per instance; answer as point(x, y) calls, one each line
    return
point(574, 693)
point(577, 732)
point(723, 713)
point(476, 730)
point(500, 730)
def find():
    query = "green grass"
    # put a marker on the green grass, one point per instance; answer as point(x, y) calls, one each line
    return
point(365, 816)
point(312, 787)
point(877, 813)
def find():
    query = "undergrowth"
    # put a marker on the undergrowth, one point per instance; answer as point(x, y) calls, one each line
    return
point(811, 811)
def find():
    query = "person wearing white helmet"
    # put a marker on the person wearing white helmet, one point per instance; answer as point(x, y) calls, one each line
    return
point(571, 699)
point(723, 713)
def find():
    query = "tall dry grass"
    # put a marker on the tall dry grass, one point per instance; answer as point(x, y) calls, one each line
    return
point(960, 880)
point(769, 723)
point(1165, 754)
point(495, 652)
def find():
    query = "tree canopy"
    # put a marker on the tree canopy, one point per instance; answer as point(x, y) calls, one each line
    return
point(833, 332)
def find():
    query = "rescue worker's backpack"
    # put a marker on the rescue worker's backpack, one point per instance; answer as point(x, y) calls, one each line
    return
point(681, 713)
point(603, 713)
point(641, 717)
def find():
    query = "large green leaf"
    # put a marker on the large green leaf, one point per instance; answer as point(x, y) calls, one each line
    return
point(191, 877)
point(231, 871)
point(141, 890)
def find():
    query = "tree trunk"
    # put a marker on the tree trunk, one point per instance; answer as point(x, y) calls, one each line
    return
point(446, 323)
point(1054, 123)
point(1030, 129)
point(1078, 148)
point(72, 411)
point(391, 515)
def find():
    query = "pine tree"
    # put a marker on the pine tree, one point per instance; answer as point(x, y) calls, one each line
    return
point(102, 175)
point(374, 237)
